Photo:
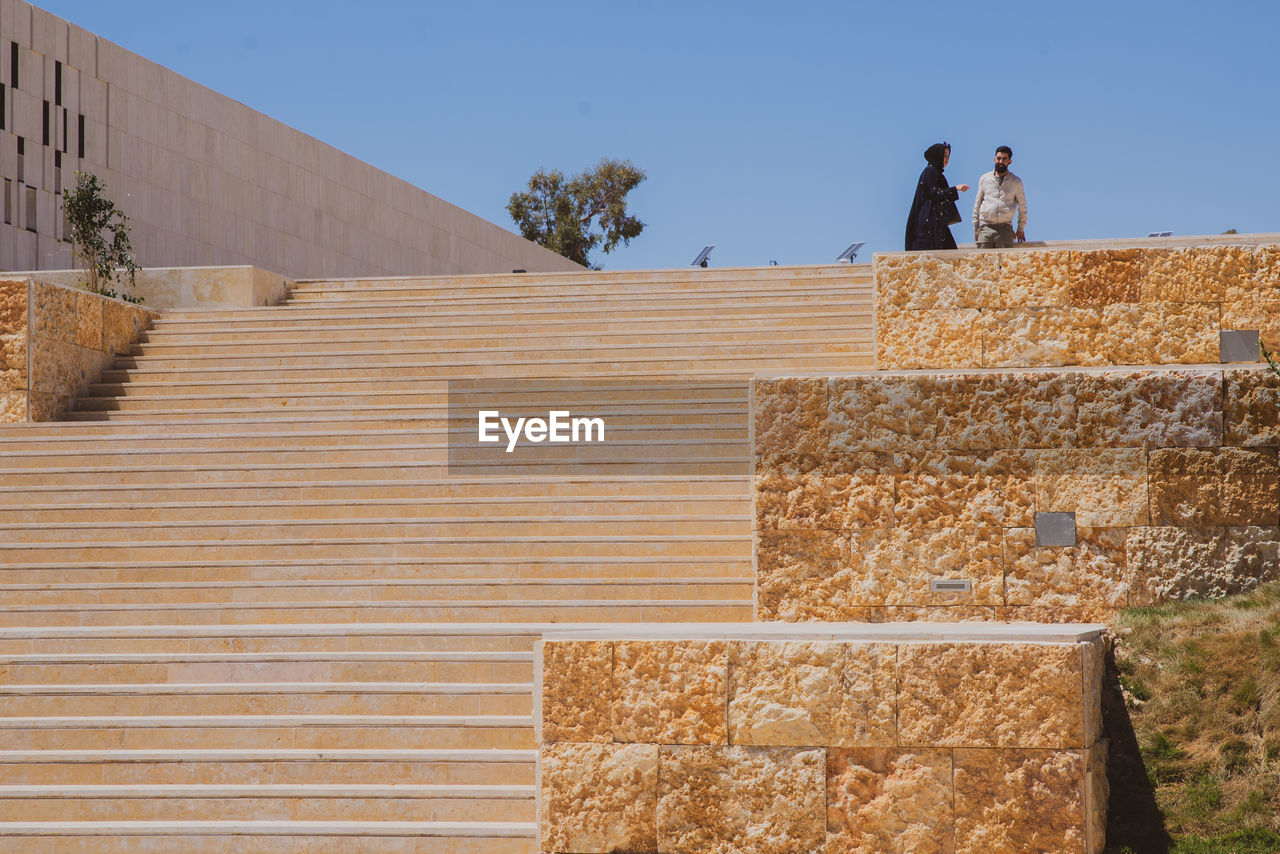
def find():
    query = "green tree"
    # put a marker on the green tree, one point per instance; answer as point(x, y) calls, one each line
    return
point(100, 235)
point(572, 216)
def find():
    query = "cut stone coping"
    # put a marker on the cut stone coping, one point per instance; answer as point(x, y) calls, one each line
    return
point(1092, 370)
point(270, 828)
point(929, 632)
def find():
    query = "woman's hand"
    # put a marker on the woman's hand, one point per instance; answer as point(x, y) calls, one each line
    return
point(964, 188)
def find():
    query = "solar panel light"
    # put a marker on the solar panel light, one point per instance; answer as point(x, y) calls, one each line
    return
point(703, 256)
point(851, 252)
point(1160, 234)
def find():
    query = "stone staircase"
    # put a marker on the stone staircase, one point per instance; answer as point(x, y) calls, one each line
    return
point(246, 606)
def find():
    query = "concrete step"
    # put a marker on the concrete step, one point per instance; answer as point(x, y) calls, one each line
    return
point(152, 731)
point(268, 802)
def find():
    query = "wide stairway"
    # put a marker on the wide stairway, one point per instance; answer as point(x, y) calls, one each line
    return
point(246, 606)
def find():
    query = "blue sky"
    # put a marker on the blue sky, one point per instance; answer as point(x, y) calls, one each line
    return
point(776, 131)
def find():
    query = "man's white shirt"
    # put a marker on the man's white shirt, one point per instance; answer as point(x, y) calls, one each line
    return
point(997, 200)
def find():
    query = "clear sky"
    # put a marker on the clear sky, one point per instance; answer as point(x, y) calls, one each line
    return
point(778, 131)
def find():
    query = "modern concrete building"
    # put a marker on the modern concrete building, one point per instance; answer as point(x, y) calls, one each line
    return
point(204, 179)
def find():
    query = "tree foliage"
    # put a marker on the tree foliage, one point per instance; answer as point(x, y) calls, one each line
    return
point(572, 216)
point(100, 235)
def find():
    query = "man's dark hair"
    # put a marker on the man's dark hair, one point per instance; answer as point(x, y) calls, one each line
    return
point(1006, 149)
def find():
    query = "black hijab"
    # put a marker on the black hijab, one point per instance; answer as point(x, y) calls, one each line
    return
point(935, 153)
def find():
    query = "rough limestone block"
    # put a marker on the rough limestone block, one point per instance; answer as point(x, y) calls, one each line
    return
point(1104, 487)
point(1033, 279)
point(670, 692)
point(1201, 274)
point(990, 695)
point(599, 797)
point(894, 566)
point(805, 575)
point(1251, 408)
point(13, 355)
point(577, 691)
point(1097, 789)
point(934, 338)
point(53, 312)
point(1201, 488)
point(937, 614)
point(960, 280)
point(61, 367)
point(898, 285)
point(1020, 800)
point(122, 325)
point(790, 417)
point(1043, 337)
point(1165, 333)
point(852, 491)
point(1174, 408)
point(1260, 314)
point(889, 800)
point(986, 412)
point(1181, 563)
point(811, 694)
point(1087, 582)
point(742, 800)
point(871, 412)
point(13, 407)
point(990, 488)
point(44, 407)
point(1095, 667)
point(13, 307)
point(1264, 283)
point(1106, 276)
point(88, 332)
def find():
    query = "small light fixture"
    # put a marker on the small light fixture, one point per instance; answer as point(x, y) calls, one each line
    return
point(703, 256)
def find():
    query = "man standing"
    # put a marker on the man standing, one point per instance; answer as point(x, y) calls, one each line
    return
point(999, 195)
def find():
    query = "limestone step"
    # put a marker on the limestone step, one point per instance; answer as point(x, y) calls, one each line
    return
point(268, 802)
point(268, 837)
point(287, 699)
point(309, 590)
point(382, 666)
point(153, 731)
point(556, 611)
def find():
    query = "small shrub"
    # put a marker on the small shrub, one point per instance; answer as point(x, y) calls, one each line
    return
point(100, 235)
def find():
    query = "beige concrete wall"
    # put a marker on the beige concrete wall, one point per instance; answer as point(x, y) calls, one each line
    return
point(208, 181)
point(163, 288)
point(764, 742)
point(868, 487)
point(1039, 308)
point(55, 341)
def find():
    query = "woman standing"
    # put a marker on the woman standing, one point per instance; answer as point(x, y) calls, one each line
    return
point(934, 209)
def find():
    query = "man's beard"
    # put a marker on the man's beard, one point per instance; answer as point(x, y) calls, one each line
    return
point(1001, 169)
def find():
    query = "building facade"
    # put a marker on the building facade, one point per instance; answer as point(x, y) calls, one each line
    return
point(204, 179)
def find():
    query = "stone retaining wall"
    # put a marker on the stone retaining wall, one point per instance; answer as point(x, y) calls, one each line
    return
point(848, 742)
point(164, 288)
point(55, 341)
point(1042, 308)
point(876, 492)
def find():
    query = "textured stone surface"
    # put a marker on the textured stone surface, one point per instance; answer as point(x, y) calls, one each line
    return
point(13, 307)
point(1251, 408)
point(1102, 277)
point(1043, 337)
point(577, 691)
point(1203, 274)
point(742, 800)
point(1104, 487)
point(990, 488)
point(122, 324)
point(1264, 283)
point(1030, 279)
point(898, 286)
point(894, 566)
point(805, 694)
point(990, 695)
point(805, 576)
point(1180, 563)
point(959, 280)
point(1176, 408)
point(670, 692)
point(89, 320)
point(53, 312)
point(1157, 334)
point(1096, 791)
point(846, 491)
point(1086, 582)
point(1020, 801)
point(13, 354)
point(13, 406)
point(877, 413)
point(889, 800)
point(982, 412)
point(44, 407)
point(950, 338)
point(790, 417)
point(1260, 314)
point(1192, 487)
point(599, 797)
